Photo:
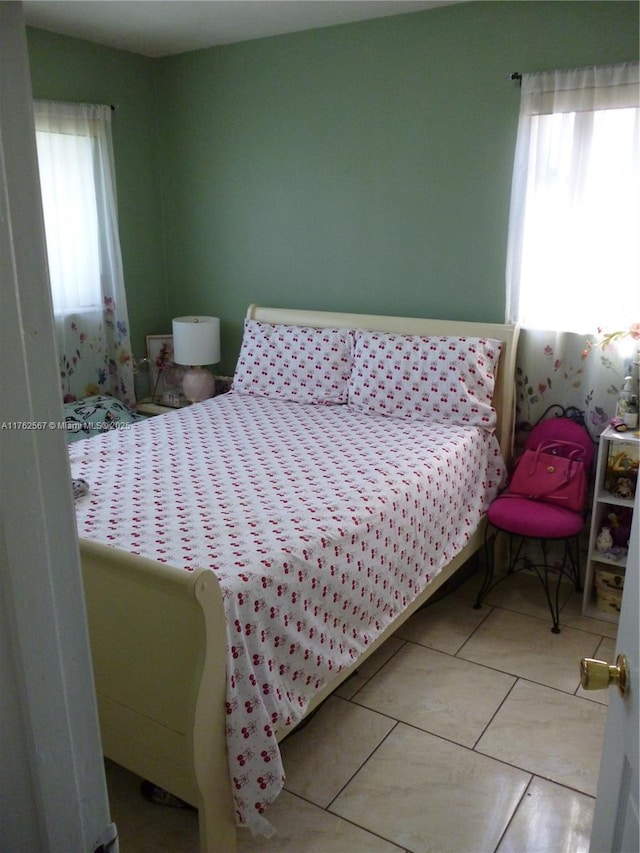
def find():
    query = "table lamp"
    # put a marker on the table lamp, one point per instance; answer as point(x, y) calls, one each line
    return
point(196, 342)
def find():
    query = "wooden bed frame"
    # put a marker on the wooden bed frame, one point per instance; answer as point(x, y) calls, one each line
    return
point(158, 633)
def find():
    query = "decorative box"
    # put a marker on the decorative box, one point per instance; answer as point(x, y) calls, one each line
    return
point(608, 600)
point(609, 578)
point(608, 584)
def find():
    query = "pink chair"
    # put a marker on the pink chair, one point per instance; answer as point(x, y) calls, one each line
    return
point(527, 519)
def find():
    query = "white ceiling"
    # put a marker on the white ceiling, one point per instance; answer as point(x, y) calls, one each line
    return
point(164, 27)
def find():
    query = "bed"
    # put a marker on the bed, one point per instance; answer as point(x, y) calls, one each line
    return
point(243, 556)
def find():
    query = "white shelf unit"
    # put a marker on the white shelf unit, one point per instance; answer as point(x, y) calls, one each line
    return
point(604, 503)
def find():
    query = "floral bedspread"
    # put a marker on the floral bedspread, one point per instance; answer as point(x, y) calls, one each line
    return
point(320, 523)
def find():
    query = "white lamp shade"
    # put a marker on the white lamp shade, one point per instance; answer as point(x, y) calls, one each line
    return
point(196, 340)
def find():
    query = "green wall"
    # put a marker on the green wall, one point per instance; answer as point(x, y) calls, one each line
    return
point(69, 69)
point(364, 167)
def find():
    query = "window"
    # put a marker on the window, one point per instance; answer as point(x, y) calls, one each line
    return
point(573, 260)
point(65, 159)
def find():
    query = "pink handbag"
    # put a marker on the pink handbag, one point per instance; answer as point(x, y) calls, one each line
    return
point(553, 472)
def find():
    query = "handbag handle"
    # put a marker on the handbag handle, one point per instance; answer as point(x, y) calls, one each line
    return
point(550, 446)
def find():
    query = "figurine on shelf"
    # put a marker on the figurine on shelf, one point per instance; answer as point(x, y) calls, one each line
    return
point(621, 474)
point(619, 522)
point(604, 540)
point(623, 488)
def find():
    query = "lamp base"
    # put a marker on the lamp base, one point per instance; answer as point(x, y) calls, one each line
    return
point(198, 384)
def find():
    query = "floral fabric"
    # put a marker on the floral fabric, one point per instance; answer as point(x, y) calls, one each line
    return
point(556, 368)
point(95, 354)
point(77, 180)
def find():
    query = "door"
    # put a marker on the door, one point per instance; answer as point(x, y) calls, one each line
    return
point(53, 794)
point(615, 822)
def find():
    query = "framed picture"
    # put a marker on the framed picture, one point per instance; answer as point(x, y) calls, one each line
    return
point(160, 355)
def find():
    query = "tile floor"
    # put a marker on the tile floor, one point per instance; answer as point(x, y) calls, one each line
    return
point(466, 732)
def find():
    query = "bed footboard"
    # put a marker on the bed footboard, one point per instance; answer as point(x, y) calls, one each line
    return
point(158, 641)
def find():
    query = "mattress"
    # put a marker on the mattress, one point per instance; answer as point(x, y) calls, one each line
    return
point(321, 523)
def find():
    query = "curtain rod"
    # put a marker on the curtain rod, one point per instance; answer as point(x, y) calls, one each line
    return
point(113, 107)
point(516, 75)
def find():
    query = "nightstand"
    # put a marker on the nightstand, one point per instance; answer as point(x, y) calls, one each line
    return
point(148, 408)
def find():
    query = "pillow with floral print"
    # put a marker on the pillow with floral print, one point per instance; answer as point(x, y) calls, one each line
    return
point(447, 379)
point(297, 363)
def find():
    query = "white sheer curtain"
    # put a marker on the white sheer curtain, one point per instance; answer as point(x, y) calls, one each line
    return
point(77, 177)
point(573, 260)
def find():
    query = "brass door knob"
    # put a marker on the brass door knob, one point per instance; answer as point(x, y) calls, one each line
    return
point(598, 674)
